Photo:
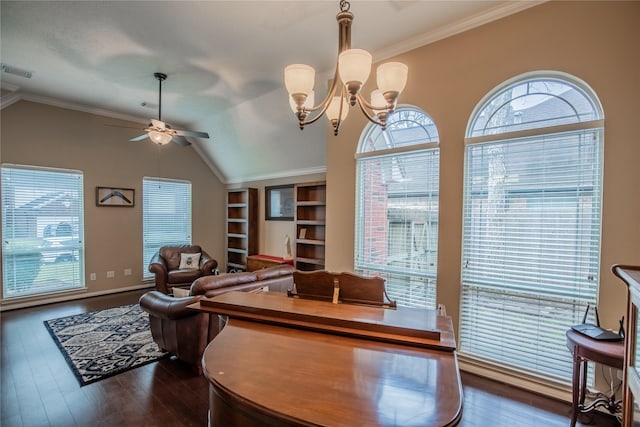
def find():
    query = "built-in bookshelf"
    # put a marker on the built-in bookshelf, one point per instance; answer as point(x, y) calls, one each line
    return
point(242, 227)
point(310, 221)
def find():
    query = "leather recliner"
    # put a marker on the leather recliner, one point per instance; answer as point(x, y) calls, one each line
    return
point(165, 266)
point(181, 331)
point(185, 332)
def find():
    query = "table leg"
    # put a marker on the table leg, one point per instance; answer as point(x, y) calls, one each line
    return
point(576, 387)
point(583, 382)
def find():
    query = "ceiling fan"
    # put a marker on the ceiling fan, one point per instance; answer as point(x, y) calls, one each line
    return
point(160, 132)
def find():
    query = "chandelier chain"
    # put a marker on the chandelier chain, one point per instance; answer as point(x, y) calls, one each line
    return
point(344, 5)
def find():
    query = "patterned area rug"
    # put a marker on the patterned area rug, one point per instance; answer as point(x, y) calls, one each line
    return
point(104, 343)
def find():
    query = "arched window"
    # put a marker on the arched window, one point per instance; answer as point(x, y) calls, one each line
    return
point(397, 206)
point(531, 222)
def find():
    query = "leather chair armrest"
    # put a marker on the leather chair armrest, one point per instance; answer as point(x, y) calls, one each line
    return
point(207, 264)
point(158, 267)
point(167, 307)
point(207, 283)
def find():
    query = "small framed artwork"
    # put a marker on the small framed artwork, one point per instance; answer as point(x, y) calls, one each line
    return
point(279, 203)
point(116, 197)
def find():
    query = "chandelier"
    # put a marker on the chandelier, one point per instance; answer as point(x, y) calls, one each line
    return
point(352, 70)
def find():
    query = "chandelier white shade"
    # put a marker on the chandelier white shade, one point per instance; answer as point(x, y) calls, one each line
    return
point(299, 78)
point(354, 66)
point(308, 103)
point(377, 99)
point(351, 74)
point(334, 111)
point(391, 77)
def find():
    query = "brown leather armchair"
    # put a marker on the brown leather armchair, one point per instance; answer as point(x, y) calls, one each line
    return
point(185, 332)
point(181, 331)
point(166, 262)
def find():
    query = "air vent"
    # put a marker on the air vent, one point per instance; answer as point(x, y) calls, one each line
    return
point(16, 71)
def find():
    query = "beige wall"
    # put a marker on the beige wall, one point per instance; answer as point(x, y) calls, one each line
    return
point(42, 135)
point(594, 41)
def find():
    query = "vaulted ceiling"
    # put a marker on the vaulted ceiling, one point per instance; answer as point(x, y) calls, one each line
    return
point(224, 61)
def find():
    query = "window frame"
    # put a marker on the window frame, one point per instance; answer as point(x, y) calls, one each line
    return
point(150, 246)
point(576, 129)
point(398, 279)
point(61, 256)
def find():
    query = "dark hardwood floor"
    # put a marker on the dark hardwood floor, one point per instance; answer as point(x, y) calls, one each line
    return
point(39, 389)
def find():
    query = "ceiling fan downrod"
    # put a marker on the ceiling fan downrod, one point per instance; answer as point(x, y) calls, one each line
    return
point(160, 77)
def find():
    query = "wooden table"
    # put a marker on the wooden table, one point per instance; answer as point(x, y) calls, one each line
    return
point(584, 349)
point(291, 362)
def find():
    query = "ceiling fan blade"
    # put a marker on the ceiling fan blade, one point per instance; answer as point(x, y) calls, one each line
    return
point(181, 140)
point(192, 133)
point(140, 138)
point(158, 124)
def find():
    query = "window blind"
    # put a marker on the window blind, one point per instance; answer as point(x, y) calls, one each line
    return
point(166, 216)
point(397, 223)
point(531, 247)
point(42, 230)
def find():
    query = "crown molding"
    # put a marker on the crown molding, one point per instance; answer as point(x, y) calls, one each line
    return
point(452, 29)
point(18, 96)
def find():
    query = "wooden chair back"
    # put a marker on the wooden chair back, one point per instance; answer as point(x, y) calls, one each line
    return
point(313, 284)
point(354, 289)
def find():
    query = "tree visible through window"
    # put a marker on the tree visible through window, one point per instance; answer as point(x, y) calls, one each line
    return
point(42, 230)
point(531, 222)
point(397, 206)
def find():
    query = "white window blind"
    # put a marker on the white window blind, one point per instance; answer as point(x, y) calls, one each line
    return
point(397, 207)
point(166, 216)
point(531, 240)
point(42, 230)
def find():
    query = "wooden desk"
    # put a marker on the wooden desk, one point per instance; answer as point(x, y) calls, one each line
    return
point(583, 349)
point(274, 370)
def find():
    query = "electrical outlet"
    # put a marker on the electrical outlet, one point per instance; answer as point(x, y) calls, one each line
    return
point(111, 274)
point(92, 276)
point(127, 272)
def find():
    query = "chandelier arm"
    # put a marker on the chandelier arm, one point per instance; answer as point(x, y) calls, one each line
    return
point(336, 127)
point(362, 100)
point(361, 104)
point(325, 102)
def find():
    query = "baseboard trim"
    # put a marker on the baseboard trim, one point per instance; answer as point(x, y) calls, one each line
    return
point(12, 304)
point(535, 385)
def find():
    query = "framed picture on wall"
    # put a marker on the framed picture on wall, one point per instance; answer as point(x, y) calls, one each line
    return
point(278, 203)
point(117, 197)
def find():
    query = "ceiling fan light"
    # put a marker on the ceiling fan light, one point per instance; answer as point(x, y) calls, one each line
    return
point(392, 77)
point(354, 65)
point(299, 78)
point(159, 137)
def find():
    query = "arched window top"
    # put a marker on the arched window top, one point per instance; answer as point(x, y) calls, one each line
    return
point(406, 126)
point(533, 102)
